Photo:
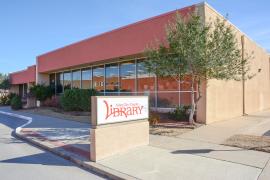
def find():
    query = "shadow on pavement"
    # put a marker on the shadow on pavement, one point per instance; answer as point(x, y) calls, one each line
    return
point(41, 158)
point(267, 133)
point(201, 151)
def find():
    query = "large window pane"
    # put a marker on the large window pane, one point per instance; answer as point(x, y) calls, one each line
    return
point(67, 80)
point(52, 82)
point(112, 83)
point(152, 99)
point(127, 77)
point(146, 81)
point(25, 87)
point(185, 98)
point(76, 79)
point(167, 84)
point(98, 78)
point(86, 78)
point(186, 84)
point(167, 99)
point(59, 83)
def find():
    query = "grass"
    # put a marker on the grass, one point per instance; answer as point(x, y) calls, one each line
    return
point(250, 142)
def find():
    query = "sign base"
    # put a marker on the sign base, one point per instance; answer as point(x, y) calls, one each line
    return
point(111, 139)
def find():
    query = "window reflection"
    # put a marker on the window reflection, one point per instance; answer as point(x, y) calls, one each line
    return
point(167, 84)
point(186, 84)
point(76, 79)
point(52, 82)
point(112, 83)
point(86, 78)
point(98, 78)
point(152, 99)
point(167, 99)
point(127, 76)
point(67, 80)
point(121, 80)
point(59, 83)
point(185, 98)
point(146, 81)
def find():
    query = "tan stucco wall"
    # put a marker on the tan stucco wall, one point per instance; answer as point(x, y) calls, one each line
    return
point(258, 88)
point(224, 99)
point(43, 78)
point(14, 89)
point(108, 140)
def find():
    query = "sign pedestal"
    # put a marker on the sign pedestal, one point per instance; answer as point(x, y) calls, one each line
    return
point(116, 136)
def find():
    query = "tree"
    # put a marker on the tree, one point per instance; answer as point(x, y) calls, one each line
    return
point(198, 50)
point(41, 92)
point(4, 82)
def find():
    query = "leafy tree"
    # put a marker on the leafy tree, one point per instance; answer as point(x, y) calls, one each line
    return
point(200, 51)
point(41, 92)
point(4, 82)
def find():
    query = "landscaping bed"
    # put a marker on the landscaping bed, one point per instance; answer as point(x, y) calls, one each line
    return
point(250, 142)
point(168, 131)
point(165, 125)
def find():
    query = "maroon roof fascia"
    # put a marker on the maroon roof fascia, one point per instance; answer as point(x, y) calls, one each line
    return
point(125, 41)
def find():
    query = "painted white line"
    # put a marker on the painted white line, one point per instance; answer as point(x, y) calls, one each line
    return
point(18, 129)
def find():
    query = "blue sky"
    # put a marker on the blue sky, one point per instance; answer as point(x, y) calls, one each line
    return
point(29, 28)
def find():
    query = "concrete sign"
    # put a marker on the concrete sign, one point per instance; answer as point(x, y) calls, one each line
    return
point(112, 109)
point(108, 135)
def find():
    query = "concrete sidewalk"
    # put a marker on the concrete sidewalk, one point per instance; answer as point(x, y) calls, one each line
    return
point(184, 157)
point(253, 124)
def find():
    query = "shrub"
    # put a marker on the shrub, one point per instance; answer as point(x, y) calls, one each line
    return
point(180, 113)
point(77, 99)
point(10, 96)
point(54, 101)
point(16, 103)
point(41, 92)
point(6, 98)
point(154, 118)
point(3, 99)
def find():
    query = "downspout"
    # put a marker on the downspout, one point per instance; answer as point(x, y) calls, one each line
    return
point(243, 75)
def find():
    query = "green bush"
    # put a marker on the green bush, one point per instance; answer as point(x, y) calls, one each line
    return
point(77, 99)
point(180, 113)
point(16, 103)
point(41, 92)
point(10, 96)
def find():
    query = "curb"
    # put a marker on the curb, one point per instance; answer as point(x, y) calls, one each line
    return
point(91, 166)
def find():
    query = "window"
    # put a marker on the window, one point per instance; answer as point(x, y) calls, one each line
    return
point(167, 84)
point(67, 80)
point(52, 82)
point(127, 76)
point(25, 89)
point(98, 78)
point(76, 79)
point(59, 83)
point(86, 78)
point(185, 98)
point(167, 99)
point(126, 79)
point(112, 83)
point(146, 81)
